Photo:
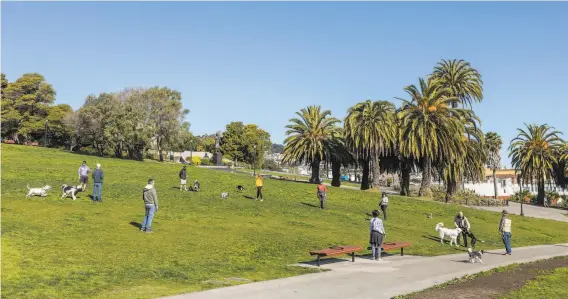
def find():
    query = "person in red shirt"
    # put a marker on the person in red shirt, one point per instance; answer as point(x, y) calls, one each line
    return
point(322, 194)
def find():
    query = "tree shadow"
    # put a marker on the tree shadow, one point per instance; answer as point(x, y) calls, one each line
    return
point(136, 224)
point(310, 205)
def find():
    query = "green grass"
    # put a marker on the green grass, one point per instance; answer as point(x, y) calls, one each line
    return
point(59, 248)
point(292, 176)
point(550, 285)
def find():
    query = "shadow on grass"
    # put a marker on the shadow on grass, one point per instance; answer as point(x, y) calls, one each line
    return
point(248, 197)
point(310, 205)
point(136, 224)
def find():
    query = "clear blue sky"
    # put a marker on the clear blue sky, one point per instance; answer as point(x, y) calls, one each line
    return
point(261, 62)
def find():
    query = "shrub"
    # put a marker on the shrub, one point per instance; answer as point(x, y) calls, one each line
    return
point(271, 165)
point(196, 160)
point(206, 162)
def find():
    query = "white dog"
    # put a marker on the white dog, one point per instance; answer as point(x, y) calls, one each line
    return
point(475, 256)
point(38, 191)
point(70, 190)
point(225, 195)
point(452, 233)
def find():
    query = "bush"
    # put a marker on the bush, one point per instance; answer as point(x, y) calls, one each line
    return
point(196, 160)
point(271, 165)
point(206, 162)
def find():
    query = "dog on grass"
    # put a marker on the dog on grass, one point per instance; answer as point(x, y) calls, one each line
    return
point(225, 195)
point(195, 187)
point(475, 256)
point(240, 188)
point(451, 233)
point(38, 191)
point(70, 191)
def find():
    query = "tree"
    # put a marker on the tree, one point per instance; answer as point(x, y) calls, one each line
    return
point(310, 138)
point(463, 81)
point(370, 131)
point(277, 148)
point(534, 152)
point(232, 142)
point(206, 143)
point(339, 155)
point(428, 130)
point(255, 142)
point(493, 145)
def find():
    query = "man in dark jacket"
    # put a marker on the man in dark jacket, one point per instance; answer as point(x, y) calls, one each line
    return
point(98, 176)
point(150, 198)
point(183, 179)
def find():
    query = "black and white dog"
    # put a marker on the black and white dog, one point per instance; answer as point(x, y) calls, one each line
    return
point(475, 256)
point(240, 188)
point(196, 186)
point(70, 191)
point(38, 191)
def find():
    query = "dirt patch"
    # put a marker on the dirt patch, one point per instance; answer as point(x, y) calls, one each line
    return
point(494, 284)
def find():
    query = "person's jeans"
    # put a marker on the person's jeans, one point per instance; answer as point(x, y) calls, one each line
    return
point(507, 241)
point(148, 216)
point(259, 192)
point(322, 197)
point(384, 209)
point(97, 192)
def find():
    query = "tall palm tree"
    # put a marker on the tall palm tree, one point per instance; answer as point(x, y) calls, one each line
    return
point(493, 144)
point(339, 156)
point(534, 153)
point(369, 130)
point(310, 138)
point(428, 130)
point(464, 81)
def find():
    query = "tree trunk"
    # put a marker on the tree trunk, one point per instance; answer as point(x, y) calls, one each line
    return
point(495, 182)
point(365, 178)
point(426, 178)
point(540, 194)
point(404, 179)
point(451, 189)
point(336, 173)
point(376, 171)
point(315, 165)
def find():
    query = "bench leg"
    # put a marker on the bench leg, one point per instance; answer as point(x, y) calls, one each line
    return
point(353, 257)
point(401, 251)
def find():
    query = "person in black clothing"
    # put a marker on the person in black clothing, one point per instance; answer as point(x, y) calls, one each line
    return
point(183, 179)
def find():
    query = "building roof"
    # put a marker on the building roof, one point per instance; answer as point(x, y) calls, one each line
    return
point(502, 172)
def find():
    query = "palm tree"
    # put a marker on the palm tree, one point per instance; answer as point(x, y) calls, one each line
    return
point(464, 81)
point(369, 130)
point(310, 138)
point(493, 145)
point(339, 156)
point(428, 130)
point(535, 152)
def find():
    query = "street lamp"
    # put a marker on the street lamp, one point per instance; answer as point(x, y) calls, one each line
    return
point(254, 161)
point(521, 195)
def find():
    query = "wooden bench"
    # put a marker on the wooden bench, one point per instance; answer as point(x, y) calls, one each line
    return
point(337, 250)
point(9, 141)
point(388, 246)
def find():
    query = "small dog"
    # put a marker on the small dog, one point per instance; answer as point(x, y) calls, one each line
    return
point(195, 186)
point(475, 256)
point(451, 233)
point(38, 191)
point(70, 190)
point(240, 188)
point(225, 195)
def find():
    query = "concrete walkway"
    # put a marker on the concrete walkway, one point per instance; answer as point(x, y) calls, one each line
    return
point(529, 211)
point(371, 279)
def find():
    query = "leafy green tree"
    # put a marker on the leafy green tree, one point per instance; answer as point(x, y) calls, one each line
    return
point(256, 142)
point(232, 143)
point(310, 138)
point(534, 152)
point(370, 131)
point(206, 144)
point(277, 148)
point(493, 144)
point(463, 81)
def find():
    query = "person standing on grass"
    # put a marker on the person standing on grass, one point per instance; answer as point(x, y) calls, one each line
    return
point(322, 194)
point(259, 184)
point(83, 175)
point(505, 231)
point(98, 176)
point(377, 235)
point(150, 198)
point(383, 204)
point(461, 221)
point(183, 179)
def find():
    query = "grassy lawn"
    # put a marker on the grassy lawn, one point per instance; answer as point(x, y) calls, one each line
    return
point(59, 248)
point(550, 285)
point(292, 176)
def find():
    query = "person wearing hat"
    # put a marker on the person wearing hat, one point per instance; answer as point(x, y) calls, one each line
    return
point(98, 176)
point(150, 198)
point(83, 175)
point(377, 235)
point(505, 231)
point(461, 221)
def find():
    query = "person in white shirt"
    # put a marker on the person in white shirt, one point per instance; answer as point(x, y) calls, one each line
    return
point(505, 230)
point(377, 235)
point(383, 204)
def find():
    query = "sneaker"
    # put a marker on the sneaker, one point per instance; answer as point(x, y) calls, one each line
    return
point(148, 230)
point(261, 199)
point(142, 229)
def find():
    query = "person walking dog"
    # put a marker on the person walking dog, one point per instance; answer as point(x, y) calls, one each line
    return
point(183, 179)
point(505, 231)
point(383, 204)
point(322, 194)
point(83, 175)
point(377, 235)
point(461, 221)
point(98, 176)
point(150, 198)
point(259, 185)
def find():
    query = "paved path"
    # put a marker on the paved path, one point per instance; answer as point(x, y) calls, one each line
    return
point(370, 279)
point(530, 211)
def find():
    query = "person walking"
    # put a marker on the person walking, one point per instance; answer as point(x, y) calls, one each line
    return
point(183, 179)
point(150, 198)
point(461, 221)
point(83, 175)
point(98, 176)
point(322, 194)
point(377, 235)
point(505, 231)
point(383, 204)
point(259, 184)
